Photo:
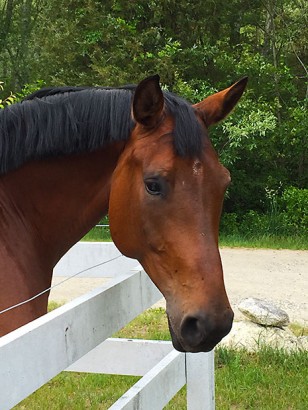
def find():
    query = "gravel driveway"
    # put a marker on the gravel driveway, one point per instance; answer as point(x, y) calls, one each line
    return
point(280, 276)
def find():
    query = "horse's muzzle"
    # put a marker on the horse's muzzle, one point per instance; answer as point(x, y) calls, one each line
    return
point(200, 333)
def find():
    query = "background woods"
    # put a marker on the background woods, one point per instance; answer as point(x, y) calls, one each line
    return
point(197, 47)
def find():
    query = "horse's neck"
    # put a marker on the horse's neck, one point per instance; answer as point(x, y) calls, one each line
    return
point(59, 200)
point(46, 207)
point(23, 271)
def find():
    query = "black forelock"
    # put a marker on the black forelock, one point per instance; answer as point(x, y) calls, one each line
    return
point(188, 134)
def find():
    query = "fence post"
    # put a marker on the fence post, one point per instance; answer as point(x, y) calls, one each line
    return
point(200, 381)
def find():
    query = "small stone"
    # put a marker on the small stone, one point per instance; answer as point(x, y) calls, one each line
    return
point(263, 312)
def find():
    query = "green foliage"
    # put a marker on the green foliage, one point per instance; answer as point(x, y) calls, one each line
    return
point(99, 233)
point(278, 228)
point(295, 212)
point(197, 48)
point(27, 89)
point(286, 216)
point(7, 100)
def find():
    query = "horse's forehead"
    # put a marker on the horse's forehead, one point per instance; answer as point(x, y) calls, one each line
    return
point(165, 162)
point(155, 149)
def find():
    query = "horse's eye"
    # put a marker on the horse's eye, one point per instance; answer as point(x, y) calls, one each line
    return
point(153, 187)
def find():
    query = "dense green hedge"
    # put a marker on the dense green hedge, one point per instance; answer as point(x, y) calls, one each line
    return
point(287, 215)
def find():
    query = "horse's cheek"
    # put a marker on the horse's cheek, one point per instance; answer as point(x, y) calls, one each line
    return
point(124, 219)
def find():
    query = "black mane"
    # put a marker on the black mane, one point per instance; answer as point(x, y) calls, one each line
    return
point(67, 120)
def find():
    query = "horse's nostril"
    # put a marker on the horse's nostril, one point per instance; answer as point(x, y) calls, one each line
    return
point(192, 331)
point(201, 332)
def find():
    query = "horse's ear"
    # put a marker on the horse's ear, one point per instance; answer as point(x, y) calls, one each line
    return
point(148, 102)
point(217, 106)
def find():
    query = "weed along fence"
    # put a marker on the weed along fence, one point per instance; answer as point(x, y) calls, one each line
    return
point(75, 337)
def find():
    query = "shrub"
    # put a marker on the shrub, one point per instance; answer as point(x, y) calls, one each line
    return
point(7, 100)
point(253, 223)
point(27, 89)
point(295, 208)
point(229, 224)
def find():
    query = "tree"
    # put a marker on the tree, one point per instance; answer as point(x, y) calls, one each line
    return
point(197, 47)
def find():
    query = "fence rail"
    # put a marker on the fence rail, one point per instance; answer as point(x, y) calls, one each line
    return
point(33, 354)
point(86, 254)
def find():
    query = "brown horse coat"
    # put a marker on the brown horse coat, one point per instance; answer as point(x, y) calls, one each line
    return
point(68, 156)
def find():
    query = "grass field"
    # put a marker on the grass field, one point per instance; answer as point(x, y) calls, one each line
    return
point(265, 242)
point(257, 241)
point(267, 380)
point(98, 234)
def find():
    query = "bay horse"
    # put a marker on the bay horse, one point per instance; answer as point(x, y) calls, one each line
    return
point(70, 155)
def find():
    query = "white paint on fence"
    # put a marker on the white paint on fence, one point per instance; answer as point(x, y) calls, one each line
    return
point(201, 386)
point(157, 387)
point(131, 357)
point(33, 354)
point(165, 371)
point(86, 254)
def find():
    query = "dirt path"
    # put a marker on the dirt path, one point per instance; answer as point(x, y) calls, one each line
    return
point(280, 276)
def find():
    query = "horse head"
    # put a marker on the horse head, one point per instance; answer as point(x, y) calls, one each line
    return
point(165, 208)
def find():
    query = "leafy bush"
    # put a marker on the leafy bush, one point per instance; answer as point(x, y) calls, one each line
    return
point(295, 203)
point(7, 100)
point(27, 89)
point(286, 215)
point(229, 224)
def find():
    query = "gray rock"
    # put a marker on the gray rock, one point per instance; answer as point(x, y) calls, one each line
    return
point(263, 312)
point(252, 337)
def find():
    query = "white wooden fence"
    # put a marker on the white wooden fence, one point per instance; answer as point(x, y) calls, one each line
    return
point(73, 338)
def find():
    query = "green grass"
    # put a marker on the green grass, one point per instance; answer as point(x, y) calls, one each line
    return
point(264, 241)
point(267, 380)
point(98, 234)
point(52, 305)
point(78, 391)
point(151, 325)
